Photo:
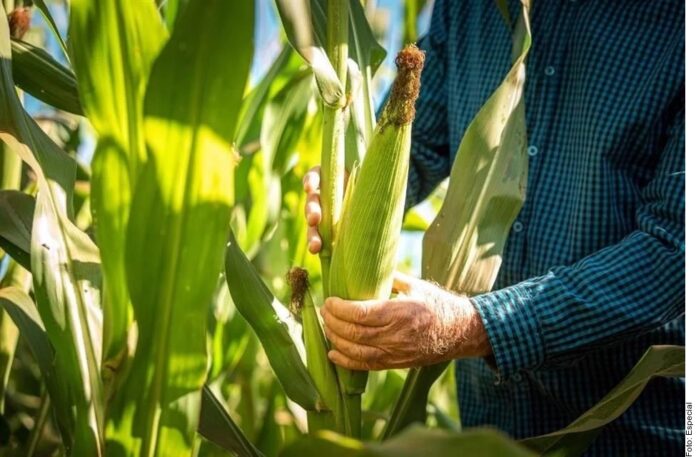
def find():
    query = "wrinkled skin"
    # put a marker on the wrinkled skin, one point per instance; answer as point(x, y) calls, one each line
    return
point(424, 324)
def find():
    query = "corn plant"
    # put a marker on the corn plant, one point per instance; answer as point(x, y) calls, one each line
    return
point(124, 381)
point(144, 286)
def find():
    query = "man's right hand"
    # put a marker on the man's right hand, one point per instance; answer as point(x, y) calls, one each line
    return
point(313, 209)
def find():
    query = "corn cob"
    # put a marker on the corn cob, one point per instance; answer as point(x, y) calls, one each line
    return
point(320, 368)
point(364, 256)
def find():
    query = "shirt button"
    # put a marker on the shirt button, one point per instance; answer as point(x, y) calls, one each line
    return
point(550, 71)
point(532, 150)
point(517, 227)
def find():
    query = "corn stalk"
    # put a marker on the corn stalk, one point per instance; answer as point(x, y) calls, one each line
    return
point(333, 135)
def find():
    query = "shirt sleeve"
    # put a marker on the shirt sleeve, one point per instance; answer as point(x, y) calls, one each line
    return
point(621, 291)
point(430, 153)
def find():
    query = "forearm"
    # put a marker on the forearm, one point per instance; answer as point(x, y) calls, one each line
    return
point(622, 291)
point(458, 330)
point(626, 289)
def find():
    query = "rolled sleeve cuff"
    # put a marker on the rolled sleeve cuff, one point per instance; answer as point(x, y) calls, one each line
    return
point(512, 327)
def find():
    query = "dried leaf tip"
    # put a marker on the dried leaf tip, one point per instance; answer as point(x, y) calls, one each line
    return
point(298, 280)
point(401, 107)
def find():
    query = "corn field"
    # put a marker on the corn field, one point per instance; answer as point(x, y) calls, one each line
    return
point(157, 297)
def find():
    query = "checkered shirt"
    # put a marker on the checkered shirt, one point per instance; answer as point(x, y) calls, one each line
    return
point(593, 269)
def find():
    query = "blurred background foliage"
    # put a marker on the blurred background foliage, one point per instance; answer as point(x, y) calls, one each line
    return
point(279, 140)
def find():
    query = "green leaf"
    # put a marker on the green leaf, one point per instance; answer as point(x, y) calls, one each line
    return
point(412, 9)
point(463, 253)
point(25, 316)
point(41, 5)
point(263, 197)
point(230, 335)
point(283, 119)
point(64, 264)
point(411, 405)
point(16, 215)
point(667, 361)
point(284, 116)
point(298, 24)
point(179, 221)
point(504, 12)
point(274, 114)
point(383, 389)
point(279, 333)
point(357, 134)
point(462, 248)
point(366, 52)
point(217, 426)
point(275, 432)
point(363, 47)
point(171, 11)
point(10, 168)
point(113, 45)
point(39, 74)
point(415, 442)
point(9, 335)
point(415, 222)
point(255, 100)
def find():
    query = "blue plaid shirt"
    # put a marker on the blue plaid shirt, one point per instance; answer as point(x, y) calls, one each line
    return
point(593, 270)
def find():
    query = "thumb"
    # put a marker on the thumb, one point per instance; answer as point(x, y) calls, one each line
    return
point(402, 283)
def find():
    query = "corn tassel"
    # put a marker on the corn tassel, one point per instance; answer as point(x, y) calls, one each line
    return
point(364, 256)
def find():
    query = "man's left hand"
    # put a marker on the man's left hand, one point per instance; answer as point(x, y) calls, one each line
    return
point(423, 325)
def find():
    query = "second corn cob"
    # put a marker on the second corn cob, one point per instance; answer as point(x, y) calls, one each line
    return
point(364, 256)
point(320, 368)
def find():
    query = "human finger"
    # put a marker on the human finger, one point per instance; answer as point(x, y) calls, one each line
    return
point(312, 180)
point(372, 313)
point(349, 330)
point(344, 361)
point(313, 210)
point(313, 240)
point(402, 283)
point(371, 355)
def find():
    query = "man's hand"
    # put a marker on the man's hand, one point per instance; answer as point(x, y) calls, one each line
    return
point(313, 209)
point(423, 325)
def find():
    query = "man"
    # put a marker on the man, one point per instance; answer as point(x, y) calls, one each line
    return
point(593, 270)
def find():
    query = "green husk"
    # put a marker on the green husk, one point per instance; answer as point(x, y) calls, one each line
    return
point(364, 256)
point(320, 368)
